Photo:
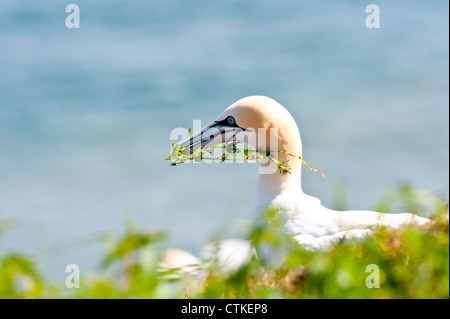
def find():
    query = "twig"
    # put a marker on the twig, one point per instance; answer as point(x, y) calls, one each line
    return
point(300, 158)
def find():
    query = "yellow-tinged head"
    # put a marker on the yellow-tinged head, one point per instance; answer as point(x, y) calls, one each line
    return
point(257, 120)
point(265, 117)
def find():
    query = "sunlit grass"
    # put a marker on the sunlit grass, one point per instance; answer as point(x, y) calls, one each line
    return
point(412, 263)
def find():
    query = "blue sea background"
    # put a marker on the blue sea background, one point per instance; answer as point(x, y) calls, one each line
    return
point(86, 114)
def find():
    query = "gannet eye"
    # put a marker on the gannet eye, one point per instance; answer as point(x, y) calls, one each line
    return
point(230, 121)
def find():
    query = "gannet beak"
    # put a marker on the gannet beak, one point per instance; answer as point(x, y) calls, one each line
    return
point(214, 133)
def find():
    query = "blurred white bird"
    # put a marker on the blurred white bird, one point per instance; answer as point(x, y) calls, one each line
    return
point(263, 123)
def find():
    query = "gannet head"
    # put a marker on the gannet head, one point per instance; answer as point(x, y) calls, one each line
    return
point(261, 122)
point(257, 120)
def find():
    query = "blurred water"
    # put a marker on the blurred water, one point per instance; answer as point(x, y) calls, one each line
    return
point(85, 114)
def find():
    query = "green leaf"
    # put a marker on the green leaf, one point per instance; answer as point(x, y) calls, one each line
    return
point(230, 147)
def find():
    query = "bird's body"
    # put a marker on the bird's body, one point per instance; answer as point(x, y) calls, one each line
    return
point(316, 227)
point(262, 122)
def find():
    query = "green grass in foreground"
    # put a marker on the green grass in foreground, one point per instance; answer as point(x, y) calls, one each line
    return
point(412, 264)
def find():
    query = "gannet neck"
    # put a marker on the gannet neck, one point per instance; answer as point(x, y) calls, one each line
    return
point(271, 180)
point(270, 186)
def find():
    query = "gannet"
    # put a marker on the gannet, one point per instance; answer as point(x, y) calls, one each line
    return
point(306, 220)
